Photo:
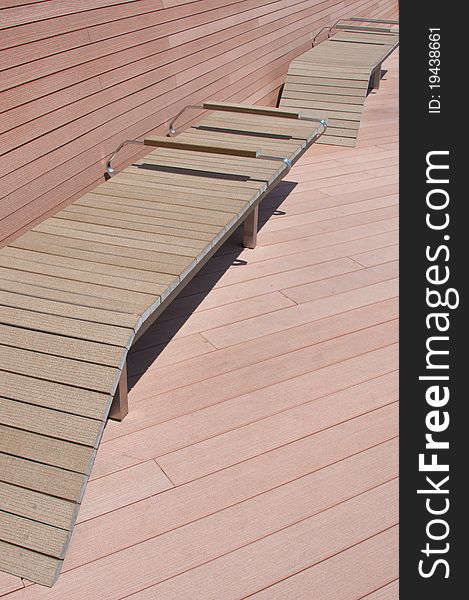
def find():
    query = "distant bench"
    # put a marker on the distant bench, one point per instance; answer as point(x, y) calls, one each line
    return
point(79, 289)
point(332, 79)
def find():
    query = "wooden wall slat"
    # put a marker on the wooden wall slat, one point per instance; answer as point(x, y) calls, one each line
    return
point(118, 19)
point(68, 68)
point(47, 10)
point(81, 77)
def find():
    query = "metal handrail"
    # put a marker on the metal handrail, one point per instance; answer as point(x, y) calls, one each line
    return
point(109, 168)
point(322, 122)
point(319, 33)
point(172, 128)
point(356, 19)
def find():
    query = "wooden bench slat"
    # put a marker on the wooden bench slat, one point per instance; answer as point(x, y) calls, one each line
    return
point(116, 243)
point(368, 20)
point(185, 218)
point(100, 264)
point(34, 566)
point(195, 165)
point(137, 299)
point(65, 272)
point(39, 537)
point(331, 73)
point(302, 129)
point(319, 81)
point(363, 28)
point(37, 506)
point(121, 232)
point(36, 289)
point(236, 165)
point(288, 149)
point(104, 252)
point(325, 106)
point(334, 114)
point(43, 478)
point(172, 201)
point(63, 309)
point(325, 89)
point(52, 423)
point(145, 179)
point(49, 451)
point(89, 376)
point(84, 330)
point(255, 129)
point(194, 181)
point(60, 345)
point(185, 230)
point(57, 396)
point(323, 97)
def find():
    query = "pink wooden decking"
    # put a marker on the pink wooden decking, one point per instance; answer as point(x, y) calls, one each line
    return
point(259, 458)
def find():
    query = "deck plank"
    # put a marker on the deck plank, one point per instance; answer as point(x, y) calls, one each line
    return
point(249, 566)
point(346, 575)
point(282, 393)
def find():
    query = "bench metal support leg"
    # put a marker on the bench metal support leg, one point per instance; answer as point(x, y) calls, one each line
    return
point(120, 404)
point(376, 78)
point(250, 228)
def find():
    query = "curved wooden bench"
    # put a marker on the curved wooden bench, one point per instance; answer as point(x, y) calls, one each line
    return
point(79, 288)
point(332, 79)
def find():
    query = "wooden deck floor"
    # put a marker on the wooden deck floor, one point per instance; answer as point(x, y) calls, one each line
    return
point(259, 458)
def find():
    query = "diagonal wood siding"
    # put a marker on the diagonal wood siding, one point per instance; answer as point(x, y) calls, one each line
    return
point(78, 77)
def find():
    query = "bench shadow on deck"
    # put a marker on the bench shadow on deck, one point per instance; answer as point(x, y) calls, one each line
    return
point(160, 334)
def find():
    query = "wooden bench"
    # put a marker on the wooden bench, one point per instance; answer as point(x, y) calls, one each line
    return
point(332, 79)
point(78, 289)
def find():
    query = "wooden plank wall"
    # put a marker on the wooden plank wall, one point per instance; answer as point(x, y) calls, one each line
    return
point(78, 77)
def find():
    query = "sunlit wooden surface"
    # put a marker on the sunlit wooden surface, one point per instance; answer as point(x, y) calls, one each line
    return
point(259, 457)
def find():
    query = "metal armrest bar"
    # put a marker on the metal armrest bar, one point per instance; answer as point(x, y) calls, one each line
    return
point(358, 19)
point(172, 125)
point(109, 168)
point(328, 29)
point(164, 142)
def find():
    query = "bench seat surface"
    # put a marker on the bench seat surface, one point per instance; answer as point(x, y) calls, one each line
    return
point(74, 293)
point(331, 80)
